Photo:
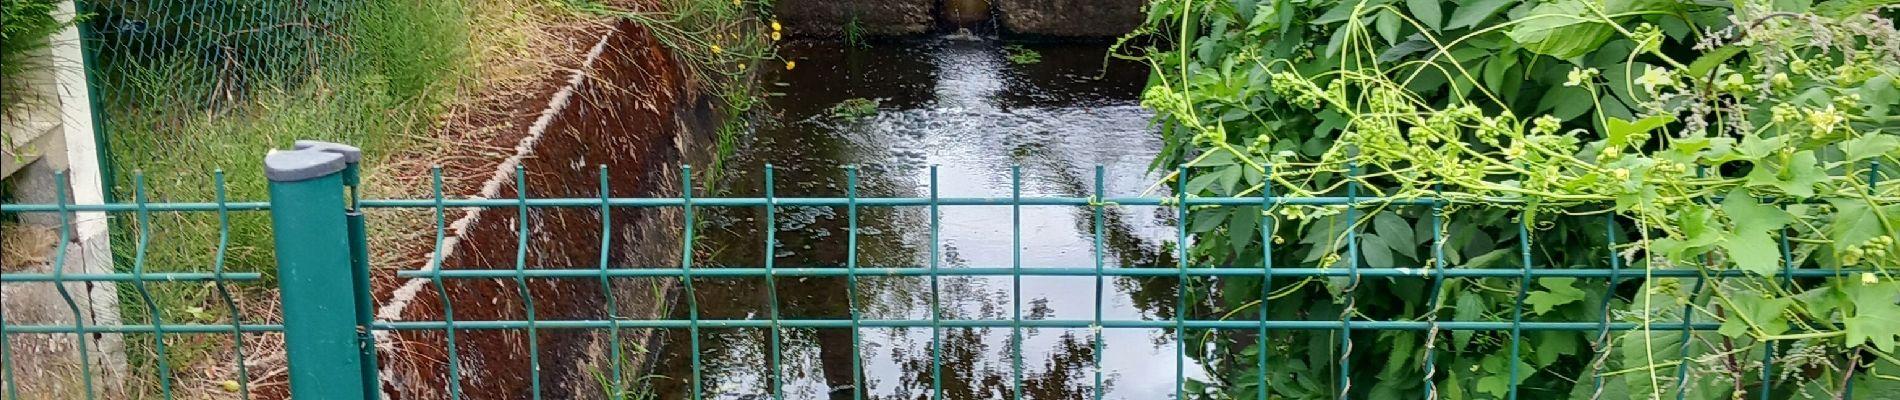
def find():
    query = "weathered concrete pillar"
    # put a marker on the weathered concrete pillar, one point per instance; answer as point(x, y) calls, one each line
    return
point(49, 365)
point(829, 18)
point(1070, 18)
point(51, 133)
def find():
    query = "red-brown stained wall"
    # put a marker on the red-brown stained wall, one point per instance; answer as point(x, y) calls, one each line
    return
point(640, 116)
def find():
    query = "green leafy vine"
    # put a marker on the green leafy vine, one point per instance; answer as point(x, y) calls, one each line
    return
point(1744, 149)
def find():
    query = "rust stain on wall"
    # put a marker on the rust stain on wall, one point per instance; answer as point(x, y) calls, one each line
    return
point(639, 114)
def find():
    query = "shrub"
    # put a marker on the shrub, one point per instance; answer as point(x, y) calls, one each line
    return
point(1653, 135)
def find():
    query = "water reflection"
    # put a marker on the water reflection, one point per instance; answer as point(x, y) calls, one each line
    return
point(963, 106)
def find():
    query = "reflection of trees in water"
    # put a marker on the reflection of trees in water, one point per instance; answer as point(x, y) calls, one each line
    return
point(1063, 375)
point(976, 362)
point(1154, 297)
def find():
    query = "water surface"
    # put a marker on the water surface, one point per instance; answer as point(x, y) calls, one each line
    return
point(964, 107)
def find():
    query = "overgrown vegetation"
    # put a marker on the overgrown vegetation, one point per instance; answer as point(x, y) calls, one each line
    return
point(854, 109)
point(1742, 139)
point(187, 90)
point(1020, 55)
point(25, 27)
point(724, 42)
point(854, 33)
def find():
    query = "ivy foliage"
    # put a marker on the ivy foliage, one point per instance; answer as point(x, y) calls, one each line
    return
point(1730, 144)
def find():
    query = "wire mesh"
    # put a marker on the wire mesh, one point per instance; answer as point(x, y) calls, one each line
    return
point(210, 54)
point(1348, 323)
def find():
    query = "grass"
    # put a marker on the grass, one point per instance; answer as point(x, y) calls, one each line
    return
point(388, 84)
point(854, 36)
point(724, 43)
point(406, 65)
point(25, 26)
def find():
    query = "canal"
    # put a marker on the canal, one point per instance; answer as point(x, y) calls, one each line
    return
point(966, 107)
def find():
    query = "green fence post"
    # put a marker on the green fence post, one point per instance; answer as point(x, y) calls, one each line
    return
point(359, 255)
point(313, 267)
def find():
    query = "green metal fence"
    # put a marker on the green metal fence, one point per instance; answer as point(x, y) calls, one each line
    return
point(321, 251)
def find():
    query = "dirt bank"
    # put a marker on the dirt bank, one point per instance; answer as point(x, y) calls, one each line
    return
point(631, 107)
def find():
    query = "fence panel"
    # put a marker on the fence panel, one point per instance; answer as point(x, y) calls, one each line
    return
point(324, 277)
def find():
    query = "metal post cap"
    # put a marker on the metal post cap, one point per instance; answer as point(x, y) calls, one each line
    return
point(300, 165)
point(351, 154)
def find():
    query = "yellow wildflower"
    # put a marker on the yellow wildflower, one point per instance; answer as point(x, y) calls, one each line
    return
point(716, 49)
point(789, 65)
point(1824, 120)
point(1654, 77)
point(775, 36)
point(776, 27)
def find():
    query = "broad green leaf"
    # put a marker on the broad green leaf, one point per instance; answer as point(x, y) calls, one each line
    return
point(1700, 68)
point(1200, 183)
point(1564, 29)
point(1869, 145)
point(1455, 386)
point(1565, 102)
point(1638, 348)
point(1676, 28)
point(1753, 251)
point(1388, 26)
point(1470, 308)
point(1494, 385)
point(1338, 39)
point(1552, 346)
point(1765, 314)
point(1495, 69)
point(1558, 291)
point(1207, 220)
point(1377, 253)
point(1823, 300)
point(1796, 178)
point(1403, 49)
point(1229, 179)
point(1623, 131)
point(1876, 318)
point(1879, 95)
point(1475, 12)
point(1494, 258)
point(1855, 222)
point(1699, 228)
point(1497, 380)
point(1341, 12)
point(1427, 13)
point(1750, 215)
point(1397, 233)
point(1215, 159)
point(1399, 361)
point(1262, 14)
point(1750, 246)
point(1755, 147)
point(1243, 228)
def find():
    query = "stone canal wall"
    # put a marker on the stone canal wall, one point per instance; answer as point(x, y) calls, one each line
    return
point(1060, 19)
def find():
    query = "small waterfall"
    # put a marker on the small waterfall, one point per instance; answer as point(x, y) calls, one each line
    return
point(966, 19)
